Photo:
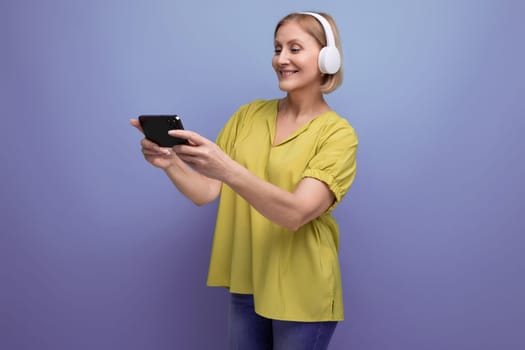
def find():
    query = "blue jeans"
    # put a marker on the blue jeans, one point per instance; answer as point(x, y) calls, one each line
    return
point(249, 331)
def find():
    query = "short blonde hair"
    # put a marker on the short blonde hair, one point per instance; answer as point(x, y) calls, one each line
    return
point(312, 26)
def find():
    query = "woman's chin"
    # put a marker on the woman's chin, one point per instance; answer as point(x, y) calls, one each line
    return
point(285, 86)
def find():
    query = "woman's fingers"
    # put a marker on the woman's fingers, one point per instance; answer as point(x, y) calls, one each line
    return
point(193, 138)
point(145, 143)
point(160, 157)
point(148, 152)
point(153, 147)
point(136, 124)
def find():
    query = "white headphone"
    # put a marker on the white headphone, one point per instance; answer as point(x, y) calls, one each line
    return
point(329, 57)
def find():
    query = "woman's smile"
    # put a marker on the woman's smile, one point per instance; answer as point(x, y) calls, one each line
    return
point(287, 73)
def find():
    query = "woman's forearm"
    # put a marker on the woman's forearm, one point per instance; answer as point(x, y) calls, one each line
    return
point(292, 210)
point(308, 200)
point(195, 186)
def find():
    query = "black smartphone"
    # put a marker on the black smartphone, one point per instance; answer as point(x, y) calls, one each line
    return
point(156, 129)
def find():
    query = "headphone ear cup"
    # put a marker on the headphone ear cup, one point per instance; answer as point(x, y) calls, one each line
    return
point(329, 60)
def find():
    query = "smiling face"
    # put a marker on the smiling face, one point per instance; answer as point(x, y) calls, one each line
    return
point(295, 59)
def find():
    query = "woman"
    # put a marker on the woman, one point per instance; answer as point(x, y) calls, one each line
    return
point(279, 167)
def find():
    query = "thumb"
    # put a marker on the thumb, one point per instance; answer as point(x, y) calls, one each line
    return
point(134, 122)
point(193, 138)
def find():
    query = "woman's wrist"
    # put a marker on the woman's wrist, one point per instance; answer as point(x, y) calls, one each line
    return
point(233, 172)
point(175, 166)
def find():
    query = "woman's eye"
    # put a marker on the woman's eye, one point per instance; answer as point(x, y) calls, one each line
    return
point(277, 51)
point(295, 49)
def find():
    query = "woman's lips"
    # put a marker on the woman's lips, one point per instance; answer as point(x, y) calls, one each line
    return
point(287, 73)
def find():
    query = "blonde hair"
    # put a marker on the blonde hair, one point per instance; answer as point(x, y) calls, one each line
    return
point(312, 26)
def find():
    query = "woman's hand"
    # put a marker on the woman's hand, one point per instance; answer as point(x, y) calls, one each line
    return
point(203, 155)
point(158, 156)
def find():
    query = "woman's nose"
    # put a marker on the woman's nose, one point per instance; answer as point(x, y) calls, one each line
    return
point(284, 57)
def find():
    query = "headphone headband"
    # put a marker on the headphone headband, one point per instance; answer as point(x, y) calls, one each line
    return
point(329, 56)
point(329, 34)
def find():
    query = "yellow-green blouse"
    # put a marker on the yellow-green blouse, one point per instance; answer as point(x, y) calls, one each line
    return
point(293, 275)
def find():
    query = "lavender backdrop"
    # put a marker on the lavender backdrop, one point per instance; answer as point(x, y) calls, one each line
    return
point(98, 251)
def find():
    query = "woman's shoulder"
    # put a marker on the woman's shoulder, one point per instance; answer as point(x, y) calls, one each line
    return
point(260, 104)
point(331, 128)
point(333, 121)
point(255, 110)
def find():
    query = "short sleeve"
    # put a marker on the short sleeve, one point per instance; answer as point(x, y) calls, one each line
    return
point(335, 160)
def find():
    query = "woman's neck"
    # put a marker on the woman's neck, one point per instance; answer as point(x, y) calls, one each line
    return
point(301, 106)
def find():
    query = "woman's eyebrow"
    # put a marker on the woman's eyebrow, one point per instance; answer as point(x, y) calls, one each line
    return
point(291, 41)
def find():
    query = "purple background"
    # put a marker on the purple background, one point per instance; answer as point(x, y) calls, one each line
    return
point(98, 250)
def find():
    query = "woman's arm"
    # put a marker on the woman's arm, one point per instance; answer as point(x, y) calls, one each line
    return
point(292, 210)
point(198, 188)
point(310, 199)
